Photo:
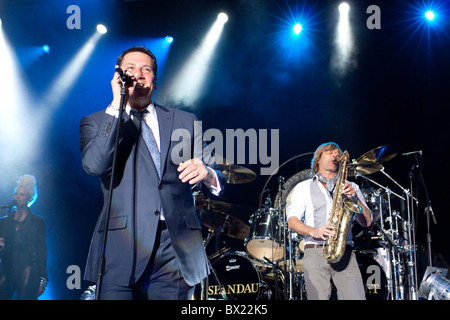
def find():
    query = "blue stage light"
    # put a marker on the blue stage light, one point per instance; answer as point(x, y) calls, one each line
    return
point(169, 39)
point(430, 15)
point(297, 28)
point(46, 48)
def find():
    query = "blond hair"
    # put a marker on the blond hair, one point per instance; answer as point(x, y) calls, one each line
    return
point(28, 183)
point(318, 153)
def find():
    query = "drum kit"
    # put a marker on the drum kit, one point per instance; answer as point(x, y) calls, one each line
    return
point(271, 267)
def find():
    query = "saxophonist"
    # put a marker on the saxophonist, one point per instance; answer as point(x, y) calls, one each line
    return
point(308, 213)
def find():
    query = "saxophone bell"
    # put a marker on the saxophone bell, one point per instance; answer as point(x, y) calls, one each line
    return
point(351, 203)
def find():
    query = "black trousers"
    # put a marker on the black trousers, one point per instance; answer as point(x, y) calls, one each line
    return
point(24, 281)
point(161, 280)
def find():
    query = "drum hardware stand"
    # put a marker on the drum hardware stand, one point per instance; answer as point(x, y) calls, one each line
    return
point(387, 237)
point(379, 185)
point(288, 288)
point(204, 284)
point(396, 257)
point(412, 270)
point(291, 269)
point(277, 270)
point(386, 240)
point(282, 210)
point(397, 289)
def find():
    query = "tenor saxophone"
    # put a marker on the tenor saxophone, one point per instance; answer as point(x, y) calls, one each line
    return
point(343, 209)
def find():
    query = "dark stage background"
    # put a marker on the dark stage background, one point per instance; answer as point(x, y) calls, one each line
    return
point(396, 93)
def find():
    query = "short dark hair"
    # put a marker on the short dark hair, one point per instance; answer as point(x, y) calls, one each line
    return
point(143, 50)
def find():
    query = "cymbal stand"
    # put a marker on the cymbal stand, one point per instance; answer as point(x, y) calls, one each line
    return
point(412, 271)
point(291, 268)
point(398, 293)
point(204, 284)
point(386, 240)
point(390, 238)
point(379, 185)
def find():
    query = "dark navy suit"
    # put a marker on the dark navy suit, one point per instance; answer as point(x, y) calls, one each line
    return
point(138, 196)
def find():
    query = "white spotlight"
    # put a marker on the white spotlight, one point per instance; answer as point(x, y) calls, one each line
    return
point(19, 131)
point(66, 79)
point(102, 29)
point(343, 55)
point(222, 17)
point(344, 8)
point(187, 86)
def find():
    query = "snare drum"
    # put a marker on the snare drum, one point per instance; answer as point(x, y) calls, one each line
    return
point(264, 240)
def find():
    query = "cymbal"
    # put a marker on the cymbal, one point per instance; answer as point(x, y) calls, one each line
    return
point(363, 168)
point(225, 224)
point(381, 154)
point(235, 174)
point(204, 203)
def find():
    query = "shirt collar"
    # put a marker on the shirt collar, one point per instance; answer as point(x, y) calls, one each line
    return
point(151, 109)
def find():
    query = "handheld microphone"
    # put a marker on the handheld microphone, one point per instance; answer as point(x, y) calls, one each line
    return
point(9, 204)
point(123, 76)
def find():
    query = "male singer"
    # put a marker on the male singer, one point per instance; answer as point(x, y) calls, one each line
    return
point(154, 247)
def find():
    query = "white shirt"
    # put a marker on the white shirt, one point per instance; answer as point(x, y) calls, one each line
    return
point(305, 208)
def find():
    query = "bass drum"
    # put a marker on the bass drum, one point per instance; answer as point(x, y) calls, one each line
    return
point(239, 279)
point(374, 277)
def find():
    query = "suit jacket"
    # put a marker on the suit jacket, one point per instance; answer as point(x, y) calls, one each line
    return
point(139, 194)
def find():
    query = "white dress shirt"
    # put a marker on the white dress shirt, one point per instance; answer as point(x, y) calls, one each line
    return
point(314, 208)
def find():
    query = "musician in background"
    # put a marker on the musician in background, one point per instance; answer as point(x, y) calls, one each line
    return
point(308, 214)
point(23, 249)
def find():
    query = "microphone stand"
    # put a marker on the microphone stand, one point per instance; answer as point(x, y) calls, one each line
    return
point(428, 209)
point(282, 211)
point(101, 260)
